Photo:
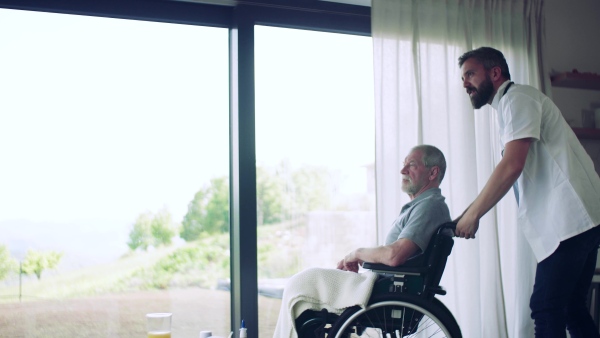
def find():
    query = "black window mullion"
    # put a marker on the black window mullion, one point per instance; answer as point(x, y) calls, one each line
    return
point(244, 265)
point(244, 268)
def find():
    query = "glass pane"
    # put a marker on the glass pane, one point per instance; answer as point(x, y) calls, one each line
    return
point(114, 148)
point(315, 155)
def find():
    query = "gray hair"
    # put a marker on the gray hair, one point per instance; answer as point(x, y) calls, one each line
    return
point(432, 157)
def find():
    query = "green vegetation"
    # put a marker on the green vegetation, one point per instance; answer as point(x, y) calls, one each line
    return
point(200, 263)
point(284, 197)
point(88, 281)
point(208, 212)
point(7, 263)
point(36, 262)
point(152, 230)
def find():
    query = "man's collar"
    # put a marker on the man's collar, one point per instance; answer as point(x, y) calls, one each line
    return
point(498, 95)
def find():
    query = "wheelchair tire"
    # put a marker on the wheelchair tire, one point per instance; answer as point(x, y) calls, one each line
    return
point(399, 315)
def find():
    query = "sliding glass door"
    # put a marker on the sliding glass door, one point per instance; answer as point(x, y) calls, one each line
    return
point(315, 155)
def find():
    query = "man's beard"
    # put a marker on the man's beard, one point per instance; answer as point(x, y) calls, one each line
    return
point(482, 94)
point(410, 187)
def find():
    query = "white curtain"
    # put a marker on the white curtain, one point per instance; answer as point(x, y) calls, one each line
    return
point(420, 100)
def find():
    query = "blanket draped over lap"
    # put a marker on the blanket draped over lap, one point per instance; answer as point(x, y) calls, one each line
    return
point(316, 289)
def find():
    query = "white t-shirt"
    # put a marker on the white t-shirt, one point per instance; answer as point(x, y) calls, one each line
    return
point(559, 191)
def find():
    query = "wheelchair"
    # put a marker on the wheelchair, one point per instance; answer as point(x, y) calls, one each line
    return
point(402, 303)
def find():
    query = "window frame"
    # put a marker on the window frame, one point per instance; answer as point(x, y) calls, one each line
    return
point(240, 19)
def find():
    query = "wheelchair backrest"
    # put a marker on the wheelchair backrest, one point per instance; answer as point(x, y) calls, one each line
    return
point(440, 248)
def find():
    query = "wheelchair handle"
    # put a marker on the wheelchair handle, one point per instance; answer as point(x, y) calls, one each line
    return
point(447, 225)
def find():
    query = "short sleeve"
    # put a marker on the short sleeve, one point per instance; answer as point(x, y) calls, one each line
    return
point(522, 117)
point(424, 219)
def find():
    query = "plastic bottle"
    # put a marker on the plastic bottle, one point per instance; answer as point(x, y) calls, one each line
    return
point(243, 333)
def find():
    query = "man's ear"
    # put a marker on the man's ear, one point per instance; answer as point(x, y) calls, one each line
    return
point(495, 73)
point(433, 174)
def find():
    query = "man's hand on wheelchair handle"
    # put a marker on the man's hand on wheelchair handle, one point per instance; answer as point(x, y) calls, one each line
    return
point(466, 226)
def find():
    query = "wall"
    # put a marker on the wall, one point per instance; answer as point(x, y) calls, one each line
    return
point(572, 34)
point(572, 42)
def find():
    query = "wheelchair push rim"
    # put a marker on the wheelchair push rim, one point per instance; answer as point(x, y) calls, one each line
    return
point(395, 318)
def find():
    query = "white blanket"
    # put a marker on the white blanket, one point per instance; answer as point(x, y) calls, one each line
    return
point(316, 289)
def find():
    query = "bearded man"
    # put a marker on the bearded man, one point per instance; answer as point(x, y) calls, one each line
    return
point(556, 187)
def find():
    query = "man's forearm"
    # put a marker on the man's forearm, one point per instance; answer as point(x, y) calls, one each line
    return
point(373, 255)
point(393, 255)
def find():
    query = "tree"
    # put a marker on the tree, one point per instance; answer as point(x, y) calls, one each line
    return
point(191, 226)
point(7, 263)
point(37, 261)
point(140, 235)
point(162, 228)
point(270, 196)
point(217, 208)
point(152, 230)
point(208, 212)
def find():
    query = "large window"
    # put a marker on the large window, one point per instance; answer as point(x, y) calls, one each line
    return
point(114, 140)
point(315, 154)
point(130, 135)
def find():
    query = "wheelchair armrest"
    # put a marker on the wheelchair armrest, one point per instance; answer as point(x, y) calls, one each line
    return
point(394, 269)
point(434, 256)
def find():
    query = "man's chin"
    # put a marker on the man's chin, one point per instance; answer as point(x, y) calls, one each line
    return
point(476, 104)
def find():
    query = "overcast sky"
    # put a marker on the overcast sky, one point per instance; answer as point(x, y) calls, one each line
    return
point(103, 119)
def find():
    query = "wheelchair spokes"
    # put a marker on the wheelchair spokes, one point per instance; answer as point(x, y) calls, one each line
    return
point(401, 317)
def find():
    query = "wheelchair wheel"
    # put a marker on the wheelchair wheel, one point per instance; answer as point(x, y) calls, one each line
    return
point(398, 315)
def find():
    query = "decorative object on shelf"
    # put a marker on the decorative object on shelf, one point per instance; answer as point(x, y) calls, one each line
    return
point(575, 79)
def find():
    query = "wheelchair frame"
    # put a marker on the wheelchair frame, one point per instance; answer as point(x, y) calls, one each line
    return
point(402, 303)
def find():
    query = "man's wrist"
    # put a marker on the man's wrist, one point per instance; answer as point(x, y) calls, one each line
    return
point(357, 254)
point(471, 215)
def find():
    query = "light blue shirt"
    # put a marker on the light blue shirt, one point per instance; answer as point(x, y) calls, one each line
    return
point(420, 218)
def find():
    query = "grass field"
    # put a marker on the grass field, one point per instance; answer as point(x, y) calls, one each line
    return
point(123, 315)
point(96, 302)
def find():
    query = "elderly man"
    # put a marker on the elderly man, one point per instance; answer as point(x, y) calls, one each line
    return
point(334, 290)
point(423, 171)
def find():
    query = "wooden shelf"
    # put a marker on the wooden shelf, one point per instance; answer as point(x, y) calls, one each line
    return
point(587, 133)
point(576, 80)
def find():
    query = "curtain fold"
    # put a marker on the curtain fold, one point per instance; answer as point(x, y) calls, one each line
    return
point(420, 100)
